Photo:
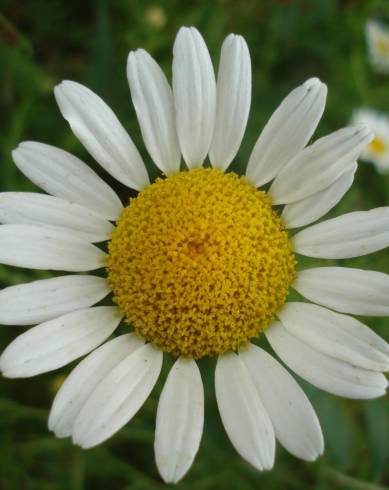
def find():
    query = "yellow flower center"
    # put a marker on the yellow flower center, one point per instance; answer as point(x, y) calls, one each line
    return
point(383, 46)
point(377, 146)
point(200, 263)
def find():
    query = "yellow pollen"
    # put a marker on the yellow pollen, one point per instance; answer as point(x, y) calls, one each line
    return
point(377, 146)
point(200, 263)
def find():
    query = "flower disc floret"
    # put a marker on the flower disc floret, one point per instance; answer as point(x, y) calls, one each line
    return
point(200, 262)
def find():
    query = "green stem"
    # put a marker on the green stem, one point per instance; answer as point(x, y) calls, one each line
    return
point(348, 482)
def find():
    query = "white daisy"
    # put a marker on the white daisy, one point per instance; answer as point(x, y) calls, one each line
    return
point(377, 37)
point(377, 151)
point(199, 263)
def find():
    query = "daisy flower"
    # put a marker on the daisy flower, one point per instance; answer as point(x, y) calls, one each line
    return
point(198, 264)
point(377, 37)
point(377, 151)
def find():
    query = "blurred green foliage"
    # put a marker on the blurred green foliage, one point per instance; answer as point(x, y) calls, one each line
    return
point(43, 42)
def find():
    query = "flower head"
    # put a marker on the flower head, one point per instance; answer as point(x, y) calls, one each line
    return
point(199, 263)
point(377, 151)
point(377, 36)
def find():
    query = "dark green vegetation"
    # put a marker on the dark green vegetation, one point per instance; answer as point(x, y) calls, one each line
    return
point(43, 42)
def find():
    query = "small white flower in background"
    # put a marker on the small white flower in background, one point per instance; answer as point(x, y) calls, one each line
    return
point(199, 263)
point(377, 37)
point(377, 151)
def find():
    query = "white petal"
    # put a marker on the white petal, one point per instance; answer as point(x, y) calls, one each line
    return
point(310, 209)
point(57, 342)
point(295, 423)
point(118, 397)
point(84, 379)
point(194, 90)
point(153, 101)
point(180, 419)
point(38, 301)
point(233, 101)
point(336, 335)
point(325, 372)
point(346, 290)
point(245, 419)
point(319, 165)
point(349, 235)
point(34, 208)
point(287, 132)
point(63, 175)
point(102, 134)
point(38, 247)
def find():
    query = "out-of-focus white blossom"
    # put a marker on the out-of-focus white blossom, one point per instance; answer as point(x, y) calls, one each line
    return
point(377, 151)
point(377, 36)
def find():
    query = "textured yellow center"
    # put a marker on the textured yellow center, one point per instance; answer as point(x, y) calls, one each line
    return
point(199, 262)
point(377, 146)
point(383, 46)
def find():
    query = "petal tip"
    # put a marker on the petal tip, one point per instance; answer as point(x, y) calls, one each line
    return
point(313, 82)
point(68, 87)
point(15, 152)
point(131, 57)
point(51, 425)
point(25, 145)
point(171, 479)
point(316, 85)
point(183, 31)
point(363, 130)
point(62, 86)
point(313, 457)
point(7, 373)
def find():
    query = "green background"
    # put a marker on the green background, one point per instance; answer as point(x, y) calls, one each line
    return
point(43, 42)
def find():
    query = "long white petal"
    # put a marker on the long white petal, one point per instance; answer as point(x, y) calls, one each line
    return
point(310, 209)
point(63, 175)
point(346, 290)
point(39, 247)
point(118, 397)
point(102, 134)
point(244, 417)
point(336, 335)
point(295, 423)
point(153, 101)
point(39, 301)
point(325, 372)
point(289, 129)
point(34, 208)
point(319, 165)
point(84, 379)
point(180, 419)
point(233, 101)
point(349, 235)
point(194, 90)
point(57, 342)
